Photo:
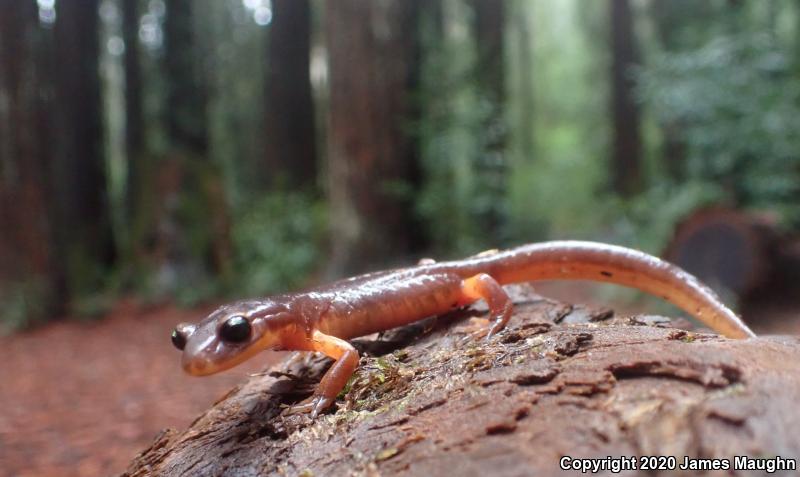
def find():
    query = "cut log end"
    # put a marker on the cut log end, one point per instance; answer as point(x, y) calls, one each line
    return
point(560, 380)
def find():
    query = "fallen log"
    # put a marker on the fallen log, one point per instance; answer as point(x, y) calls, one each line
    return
point(560, 380)
point(733, 251)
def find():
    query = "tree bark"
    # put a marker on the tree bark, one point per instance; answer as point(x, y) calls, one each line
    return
point(489, 21)
point(134, 114)
point(289, 117)
point(372, 161)
point(561, 380)
point(27, 242)
point(83, 218)
point(627, 143)
point(186, 86)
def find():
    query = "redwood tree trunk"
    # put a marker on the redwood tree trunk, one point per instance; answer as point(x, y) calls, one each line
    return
point(27, 245)
point(627, 143)
point(81, 195)
point(134, 115)
point(289, 117)
point(489, 20)
point(372, 160)
point(186, 95)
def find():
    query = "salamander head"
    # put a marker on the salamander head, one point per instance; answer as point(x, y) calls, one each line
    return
point(230, 335)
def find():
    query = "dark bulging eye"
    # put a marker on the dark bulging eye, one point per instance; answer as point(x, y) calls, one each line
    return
point(178, 339)
point(235, 330)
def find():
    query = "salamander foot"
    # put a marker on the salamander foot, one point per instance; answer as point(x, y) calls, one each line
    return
point(313, 406)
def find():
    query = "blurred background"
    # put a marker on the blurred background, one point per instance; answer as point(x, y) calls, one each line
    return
point(158, 157)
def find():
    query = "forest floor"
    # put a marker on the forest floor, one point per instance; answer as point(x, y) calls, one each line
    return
point(84, 397)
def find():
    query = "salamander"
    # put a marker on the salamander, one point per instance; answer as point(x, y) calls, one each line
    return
point(323, 318)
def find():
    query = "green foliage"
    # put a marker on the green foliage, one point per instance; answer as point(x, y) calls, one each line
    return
point(458, 135)
point(648, 221)
point(557, 188)
point(277, 243)
point(735, 103)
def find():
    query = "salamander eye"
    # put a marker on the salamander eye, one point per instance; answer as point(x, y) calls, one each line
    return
point(178, 339)
point(235, 330)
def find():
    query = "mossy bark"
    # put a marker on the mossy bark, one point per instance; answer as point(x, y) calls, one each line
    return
point(432, 399)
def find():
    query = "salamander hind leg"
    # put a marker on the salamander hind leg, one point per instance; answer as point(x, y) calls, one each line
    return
point(483, 286)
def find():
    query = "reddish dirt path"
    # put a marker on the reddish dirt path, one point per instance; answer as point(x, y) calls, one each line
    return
point(82, 398)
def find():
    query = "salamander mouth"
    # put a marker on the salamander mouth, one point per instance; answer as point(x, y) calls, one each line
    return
point(201, 367)
point(204, 366)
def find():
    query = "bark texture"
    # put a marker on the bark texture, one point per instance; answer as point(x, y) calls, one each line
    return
point(432, 399)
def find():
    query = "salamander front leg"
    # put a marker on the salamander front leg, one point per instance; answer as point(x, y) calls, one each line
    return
point(483, 286)
point(335, 379)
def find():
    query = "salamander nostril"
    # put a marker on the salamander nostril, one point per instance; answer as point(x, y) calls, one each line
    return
point(178, 339)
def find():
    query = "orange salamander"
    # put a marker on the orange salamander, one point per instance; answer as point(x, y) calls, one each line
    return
point(322, 319)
